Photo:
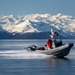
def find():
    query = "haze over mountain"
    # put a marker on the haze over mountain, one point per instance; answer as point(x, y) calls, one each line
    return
point(36, 26)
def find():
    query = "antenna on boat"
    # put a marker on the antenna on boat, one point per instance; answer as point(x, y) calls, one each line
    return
point(52, 34)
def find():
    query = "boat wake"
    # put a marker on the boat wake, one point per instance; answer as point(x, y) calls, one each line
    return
point(22, 54)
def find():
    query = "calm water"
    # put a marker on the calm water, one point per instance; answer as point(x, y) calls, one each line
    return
point(15, 60)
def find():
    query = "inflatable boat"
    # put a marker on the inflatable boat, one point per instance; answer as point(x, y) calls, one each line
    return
point(60, 51)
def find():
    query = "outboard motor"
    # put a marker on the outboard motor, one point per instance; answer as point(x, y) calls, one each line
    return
point(32, 48)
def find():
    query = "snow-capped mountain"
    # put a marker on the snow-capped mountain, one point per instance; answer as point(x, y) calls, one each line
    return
point(38, 23)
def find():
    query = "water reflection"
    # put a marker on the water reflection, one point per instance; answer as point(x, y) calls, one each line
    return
point(61, 66)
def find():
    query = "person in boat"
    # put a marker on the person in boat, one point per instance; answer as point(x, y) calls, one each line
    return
point(53, 35)
point(49, 43)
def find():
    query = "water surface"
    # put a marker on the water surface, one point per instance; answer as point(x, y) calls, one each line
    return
point(15, 60)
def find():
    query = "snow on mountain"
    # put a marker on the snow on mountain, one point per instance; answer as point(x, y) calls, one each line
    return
point(64, 24)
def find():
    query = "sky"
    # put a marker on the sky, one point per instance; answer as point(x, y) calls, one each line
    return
point(25, 7)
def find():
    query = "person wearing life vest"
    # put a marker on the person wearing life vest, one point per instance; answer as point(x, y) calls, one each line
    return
point(49, 43)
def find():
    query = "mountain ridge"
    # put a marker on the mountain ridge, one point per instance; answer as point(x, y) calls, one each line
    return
point(37, 23)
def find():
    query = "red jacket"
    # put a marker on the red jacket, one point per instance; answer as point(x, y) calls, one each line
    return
point(49, 43)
